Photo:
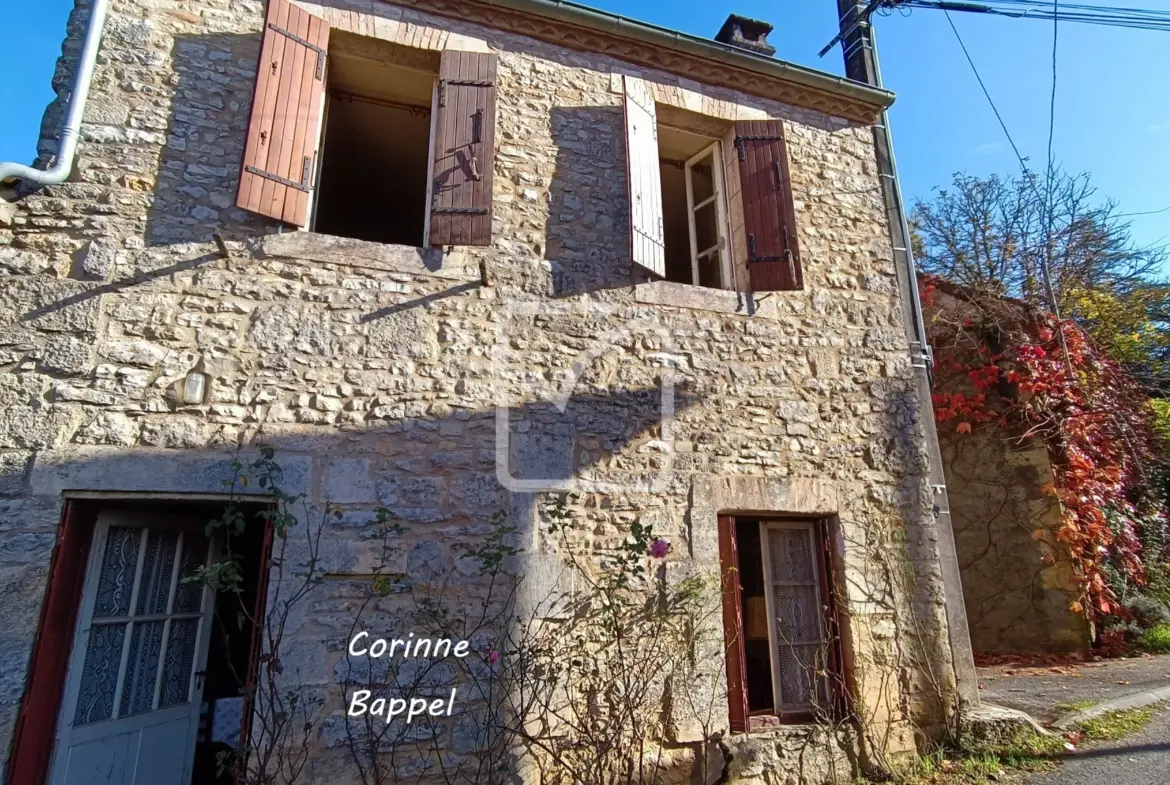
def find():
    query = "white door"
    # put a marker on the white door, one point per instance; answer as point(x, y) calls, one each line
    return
point(131, 704)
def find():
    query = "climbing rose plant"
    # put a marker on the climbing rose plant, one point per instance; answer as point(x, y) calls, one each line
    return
point(1001, 364)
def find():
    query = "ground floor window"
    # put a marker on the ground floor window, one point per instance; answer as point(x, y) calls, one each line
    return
point(784, 657)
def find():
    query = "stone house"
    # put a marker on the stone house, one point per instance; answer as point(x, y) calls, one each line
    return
point(449, 258)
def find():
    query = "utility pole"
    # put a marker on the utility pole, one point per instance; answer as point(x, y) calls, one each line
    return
point(861, 64)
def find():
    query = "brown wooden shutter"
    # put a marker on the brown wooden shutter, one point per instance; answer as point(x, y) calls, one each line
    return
point(280, 155)
point(737, 703)
point(769, 216)
point(464, 150)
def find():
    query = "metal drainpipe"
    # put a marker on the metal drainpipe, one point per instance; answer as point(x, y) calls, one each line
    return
point(861, 64)
point(67, 148)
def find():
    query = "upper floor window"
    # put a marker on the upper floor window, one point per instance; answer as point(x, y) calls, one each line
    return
point(374, 145)
point(706, 210)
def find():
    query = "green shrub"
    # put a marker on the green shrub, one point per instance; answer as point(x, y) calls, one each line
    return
point(1156, 639)
point(1147, 611)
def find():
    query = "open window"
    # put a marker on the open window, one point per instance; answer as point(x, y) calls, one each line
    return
point(373, 170)
point(710, 201)
point(784, 657)
point(696, 246)
point(384, 143)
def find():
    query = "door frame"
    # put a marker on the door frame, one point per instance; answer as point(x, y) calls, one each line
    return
point(35, 732)
point(186, 525)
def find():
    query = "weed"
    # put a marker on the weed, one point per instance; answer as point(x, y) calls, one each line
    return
point(1076, 706)
point(1116, 724)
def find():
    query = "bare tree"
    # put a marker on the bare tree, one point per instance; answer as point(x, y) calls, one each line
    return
point(994, 233)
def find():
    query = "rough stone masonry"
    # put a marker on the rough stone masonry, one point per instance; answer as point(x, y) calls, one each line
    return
point(376, 374)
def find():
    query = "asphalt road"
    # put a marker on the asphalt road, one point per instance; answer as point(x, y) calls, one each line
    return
point(1141, 759)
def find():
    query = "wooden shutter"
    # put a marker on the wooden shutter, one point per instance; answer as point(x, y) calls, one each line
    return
point(647, 238)
point(283, 133)
point(737, 702)
point(769, 217)
point(464, 150)
point(838, 678)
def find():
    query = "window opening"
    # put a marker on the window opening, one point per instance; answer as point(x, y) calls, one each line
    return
point(373, 174)
point(693, 209)
point(787, 632)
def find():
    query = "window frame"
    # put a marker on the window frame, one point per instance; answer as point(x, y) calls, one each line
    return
point(837, 676)
point(722, 246)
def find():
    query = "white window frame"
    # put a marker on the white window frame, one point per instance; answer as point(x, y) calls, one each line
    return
point(718, 196)
point(766, 527)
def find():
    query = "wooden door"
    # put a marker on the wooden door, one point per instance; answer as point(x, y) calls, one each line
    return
point(133, 692)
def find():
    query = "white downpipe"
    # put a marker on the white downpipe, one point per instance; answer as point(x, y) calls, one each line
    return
point(67, 147)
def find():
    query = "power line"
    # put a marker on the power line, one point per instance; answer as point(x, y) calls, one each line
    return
point(986, 94)
point(1046, 262)
point(1145, 212)
point(1133, 18)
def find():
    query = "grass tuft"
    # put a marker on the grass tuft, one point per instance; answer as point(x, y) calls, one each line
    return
point(1076, 706)
point(1116, 724)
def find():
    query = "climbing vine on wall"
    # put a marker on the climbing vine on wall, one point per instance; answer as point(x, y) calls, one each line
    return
point(1001, 364)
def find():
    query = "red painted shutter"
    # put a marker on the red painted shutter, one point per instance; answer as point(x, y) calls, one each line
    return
point(36, 728)
point(838, 684)
point(280, 155)
point(737, 705)
point(464, 150)
point(769, 216)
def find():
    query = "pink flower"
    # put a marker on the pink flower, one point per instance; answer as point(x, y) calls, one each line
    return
point(493, 657)
point(659, 548)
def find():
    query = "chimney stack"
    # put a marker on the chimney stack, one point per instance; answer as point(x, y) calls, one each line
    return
point(744, 33)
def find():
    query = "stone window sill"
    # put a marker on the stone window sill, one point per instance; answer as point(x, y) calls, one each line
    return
point(700, 298)
point(407, 259)
point(771, 725)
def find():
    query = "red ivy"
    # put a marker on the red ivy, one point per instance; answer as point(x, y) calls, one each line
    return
point(1089, 412)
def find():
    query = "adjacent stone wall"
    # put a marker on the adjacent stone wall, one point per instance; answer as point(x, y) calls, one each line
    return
point(1018, 579)
point(376, 371)
point(1017, 587)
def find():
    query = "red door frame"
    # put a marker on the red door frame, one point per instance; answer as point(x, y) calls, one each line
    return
point(36, 722)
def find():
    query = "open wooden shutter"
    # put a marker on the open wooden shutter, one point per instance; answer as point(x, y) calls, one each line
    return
point(464, 150)
point(283, 132)
point(769, 216)
point(838, 678)
point(647, 238)
point(737, 701)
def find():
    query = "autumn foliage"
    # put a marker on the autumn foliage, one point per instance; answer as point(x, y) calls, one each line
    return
point(1000, 364)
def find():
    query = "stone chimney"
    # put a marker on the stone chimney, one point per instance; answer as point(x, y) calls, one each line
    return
point(749, 34)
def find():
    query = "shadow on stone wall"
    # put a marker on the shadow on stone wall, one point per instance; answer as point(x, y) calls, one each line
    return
point(436, 472)
point(198, 172)
point(587, 242)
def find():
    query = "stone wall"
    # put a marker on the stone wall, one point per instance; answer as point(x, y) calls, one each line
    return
point(376, 371)
point(1018, 580)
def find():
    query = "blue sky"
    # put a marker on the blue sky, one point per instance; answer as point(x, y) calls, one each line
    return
point(1113, 107)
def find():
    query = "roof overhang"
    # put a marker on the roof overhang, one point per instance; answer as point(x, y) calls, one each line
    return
point(589, 30)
